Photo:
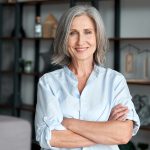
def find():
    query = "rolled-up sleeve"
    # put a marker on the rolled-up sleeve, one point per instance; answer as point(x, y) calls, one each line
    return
point(48, 114)
point(122, 96)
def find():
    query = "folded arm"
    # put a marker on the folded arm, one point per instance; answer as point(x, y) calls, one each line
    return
point(114, 131)
point(69, 139)
point(110, 132)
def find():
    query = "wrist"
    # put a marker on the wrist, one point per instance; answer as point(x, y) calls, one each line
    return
point(69, 122)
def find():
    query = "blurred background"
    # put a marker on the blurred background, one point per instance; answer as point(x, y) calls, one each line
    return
point(27, 30)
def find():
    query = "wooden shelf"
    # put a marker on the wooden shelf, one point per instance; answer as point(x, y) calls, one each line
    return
point(22, 73)
point(130, 38)
point(146, 128)
point(34, 38)
point(11, 72)
point(6, 106)
point(34, 2)
point(135, 38)
point(46, 2)
point(7, 4)
point(7, 72)
point(25, 38)
point(139, 82)
point(27, 108)
point(7, 38)
point(22, 107)
point(29, 74)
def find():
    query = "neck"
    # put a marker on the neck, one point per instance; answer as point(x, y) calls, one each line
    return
point(81, 69)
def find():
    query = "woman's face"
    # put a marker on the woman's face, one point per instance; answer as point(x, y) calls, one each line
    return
point(82, 39)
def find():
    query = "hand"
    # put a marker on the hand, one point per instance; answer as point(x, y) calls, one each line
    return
point(119, 112)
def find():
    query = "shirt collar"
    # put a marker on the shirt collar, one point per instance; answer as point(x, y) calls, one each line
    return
point(95, 71)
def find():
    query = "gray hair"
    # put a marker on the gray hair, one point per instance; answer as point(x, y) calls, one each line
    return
point(61, 55)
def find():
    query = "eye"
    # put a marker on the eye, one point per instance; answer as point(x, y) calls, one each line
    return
point(88, 32)
point(73, 33)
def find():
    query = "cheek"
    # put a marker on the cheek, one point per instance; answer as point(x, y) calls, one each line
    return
point(69, 49)
point(71, 42)
point(93, 43)
point(92, 40)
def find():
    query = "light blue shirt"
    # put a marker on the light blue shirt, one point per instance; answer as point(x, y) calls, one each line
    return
point(58, 97)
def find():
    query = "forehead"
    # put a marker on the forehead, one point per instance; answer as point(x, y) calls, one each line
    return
point(83, 21)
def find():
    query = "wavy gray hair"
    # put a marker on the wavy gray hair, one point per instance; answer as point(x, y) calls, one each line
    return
point(61, 55)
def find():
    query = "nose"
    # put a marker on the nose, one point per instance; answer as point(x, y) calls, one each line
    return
point(81, 39)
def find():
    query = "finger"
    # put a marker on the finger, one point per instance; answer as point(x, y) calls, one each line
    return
point(115, 116)
point(118, 110)
point(122, 118)
point(120, 114)
point(118, 107)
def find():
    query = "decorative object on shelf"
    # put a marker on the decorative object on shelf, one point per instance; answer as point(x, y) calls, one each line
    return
point(49, 26)
point(145, 63)
point(129, 65)
point(129, 62)
point(28, 66)
point(38, 27)
point(142, 107)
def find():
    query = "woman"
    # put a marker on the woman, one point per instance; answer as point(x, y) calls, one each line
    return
point(83, 105)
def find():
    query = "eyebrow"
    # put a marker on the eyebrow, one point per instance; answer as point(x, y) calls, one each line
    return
point(83, 29)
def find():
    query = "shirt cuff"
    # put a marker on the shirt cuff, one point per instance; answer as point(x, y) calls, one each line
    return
point(132, 115)
point(52, 125)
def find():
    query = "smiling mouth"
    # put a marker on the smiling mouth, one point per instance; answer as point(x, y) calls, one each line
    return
point(81, 49)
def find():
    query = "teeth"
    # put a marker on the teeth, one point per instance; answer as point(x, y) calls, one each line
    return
point(80, 49)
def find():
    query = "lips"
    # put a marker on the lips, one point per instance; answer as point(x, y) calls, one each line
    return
point(81, 49)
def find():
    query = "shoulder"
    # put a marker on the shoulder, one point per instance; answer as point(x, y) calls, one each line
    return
point(110, 74)
point(109, 71)
point(54, 75)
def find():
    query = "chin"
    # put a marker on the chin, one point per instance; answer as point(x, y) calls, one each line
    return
point(84, 58)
